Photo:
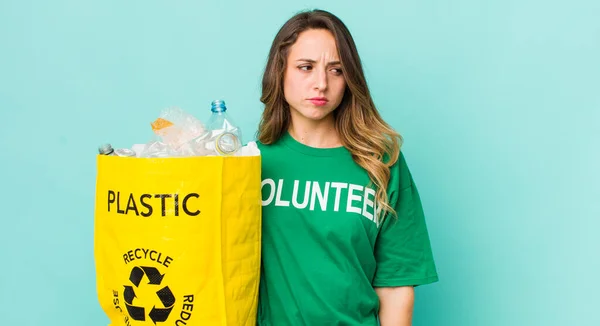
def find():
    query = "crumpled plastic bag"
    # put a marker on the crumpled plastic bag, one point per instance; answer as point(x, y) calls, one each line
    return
point(179, 134)
point(175, 127)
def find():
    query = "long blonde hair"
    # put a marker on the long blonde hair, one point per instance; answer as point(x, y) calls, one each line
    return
point(374, 145)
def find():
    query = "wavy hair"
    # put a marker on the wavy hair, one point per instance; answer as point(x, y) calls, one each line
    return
point(374, 145)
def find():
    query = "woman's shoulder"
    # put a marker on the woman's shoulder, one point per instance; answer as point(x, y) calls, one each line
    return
point(400, 176)
point(269, 149)
point(395, 156)
point(262, 145)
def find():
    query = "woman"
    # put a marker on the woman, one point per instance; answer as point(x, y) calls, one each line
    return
point(344, 236)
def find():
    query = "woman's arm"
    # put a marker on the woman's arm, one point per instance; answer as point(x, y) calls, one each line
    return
point(396, 305)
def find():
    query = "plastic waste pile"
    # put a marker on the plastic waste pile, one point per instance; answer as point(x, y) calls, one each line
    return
point(181, 134)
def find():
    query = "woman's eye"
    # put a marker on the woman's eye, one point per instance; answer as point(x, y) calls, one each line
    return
point(305, 68)
point(337, 71)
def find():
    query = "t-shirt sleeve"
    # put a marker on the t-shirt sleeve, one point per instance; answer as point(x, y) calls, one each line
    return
point(402, 249)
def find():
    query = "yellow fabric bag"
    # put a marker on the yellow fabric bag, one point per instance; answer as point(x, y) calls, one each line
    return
point(177, 240)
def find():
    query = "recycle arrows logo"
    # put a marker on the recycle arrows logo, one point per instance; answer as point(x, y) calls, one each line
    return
point(164, 294)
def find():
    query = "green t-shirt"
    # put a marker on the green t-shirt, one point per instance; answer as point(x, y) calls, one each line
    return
point(322, 249)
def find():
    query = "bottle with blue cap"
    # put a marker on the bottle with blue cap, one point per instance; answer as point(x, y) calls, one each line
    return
point(226, 136)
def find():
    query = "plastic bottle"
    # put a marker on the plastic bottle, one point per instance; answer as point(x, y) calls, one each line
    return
point(225, 135)
point(106, 149)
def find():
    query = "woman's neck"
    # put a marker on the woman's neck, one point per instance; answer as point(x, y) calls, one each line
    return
point(319, 134)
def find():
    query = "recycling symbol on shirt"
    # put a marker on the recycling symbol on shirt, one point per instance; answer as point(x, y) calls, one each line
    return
point(136, 312)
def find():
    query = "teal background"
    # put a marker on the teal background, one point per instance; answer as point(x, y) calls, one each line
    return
point(498, 102)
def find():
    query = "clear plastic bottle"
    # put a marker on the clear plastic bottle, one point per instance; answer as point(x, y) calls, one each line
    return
point(225, 135)
point(106, 149)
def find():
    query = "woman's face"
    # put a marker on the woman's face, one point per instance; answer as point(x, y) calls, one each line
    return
point(313, 83)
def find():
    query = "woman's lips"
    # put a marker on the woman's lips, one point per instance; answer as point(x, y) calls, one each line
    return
point(318, 101)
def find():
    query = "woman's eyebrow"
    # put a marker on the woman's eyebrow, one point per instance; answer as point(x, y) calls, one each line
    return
point(331, 63)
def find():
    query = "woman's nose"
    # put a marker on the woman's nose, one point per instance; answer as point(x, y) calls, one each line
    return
point(320, 80)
